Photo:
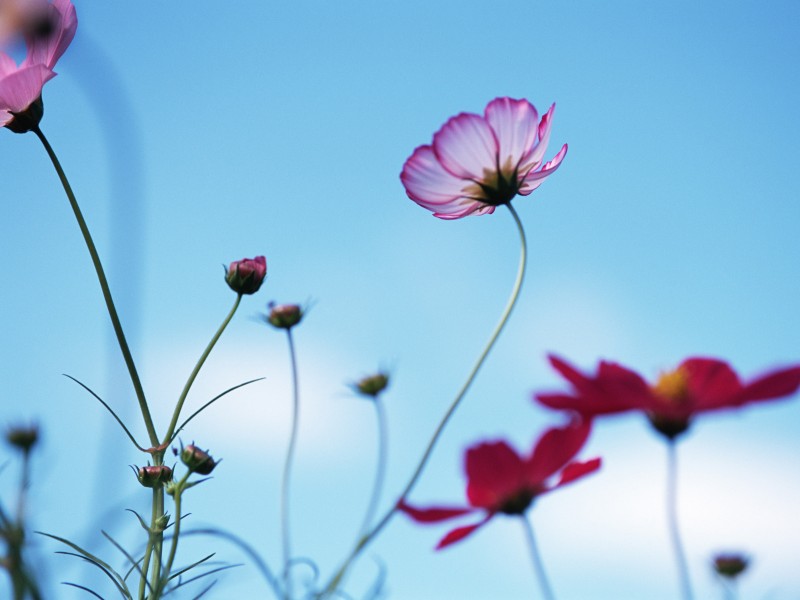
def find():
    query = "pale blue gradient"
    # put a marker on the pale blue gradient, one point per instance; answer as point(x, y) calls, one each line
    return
point(195, 134)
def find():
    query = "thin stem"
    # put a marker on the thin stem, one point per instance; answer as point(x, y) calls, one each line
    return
point(157, 540)
point(366, 539)
point(179, 406)
point(538, 567)
point(287, 469)
point(176, 532)
point(380, 469)
point(101, 277)
point(672, 520)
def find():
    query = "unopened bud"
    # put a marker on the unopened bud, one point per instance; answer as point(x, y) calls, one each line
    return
point(730, 565)
point(197, 460)
point(372, 385)
point(284, 316)
point(161, 523)
point(154, 476)
point(246, 276)
point(23, 437)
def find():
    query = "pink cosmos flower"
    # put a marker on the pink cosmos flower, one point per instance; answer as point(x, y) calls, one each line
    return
point(477, 163)
point(500, 481)
point(21, 85)
point(696, 385)
point(246, 276)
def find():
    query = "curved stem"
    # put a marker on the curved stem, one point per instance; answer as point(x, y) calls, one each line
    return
point(179, 406)
point(538, 567)
point(176, 532)
point(366, 539)
point(380, 469)
point(287, 470)
point(672, 520)
point(101, 276)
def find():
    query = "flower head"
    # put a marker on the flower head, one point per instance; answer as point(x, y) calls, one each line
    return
point(372, 385)
point(499, 480)
point(21, 85)
point(197, 460)
point(730, 565)
point(153, 476)
point(246, 276)
point(284, 316)
point(476, 163)
point(23, 437)
point(696, 385)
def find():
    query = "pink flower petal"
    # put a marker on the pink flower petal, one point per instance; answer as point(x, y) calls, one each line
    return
point(711, 383)
point(7, 65)
point(20, 89)
point(466, 147)
point(426, 181)
point(554, 450)
point(495, 472)
point(535, 178)
point(433, 514)
point(514, 125)
point(46, 50)
point(460, 533)
point(536, 155)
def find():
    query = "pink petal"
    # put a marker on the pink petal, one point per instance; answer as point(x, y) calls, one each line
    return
point(460, 533)
point(46, 50)
point(775, 384)
point(433, 514)
point(426, 181)
point(466, 147)
point(711, 383)
point(494, 473)
point(536, 154)
point(576, 470)
point(21, 88)
point(535, 178)
point(514, 125)
point(554, 450)
point(7, 65)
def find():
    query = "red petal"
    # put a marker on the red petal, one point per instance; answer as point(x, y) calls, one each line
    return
point(494, 472)
point(554, 450)
point(775, 384)
point(711, 383)
point(433, 514)
point(460, 533)
point(576, 470)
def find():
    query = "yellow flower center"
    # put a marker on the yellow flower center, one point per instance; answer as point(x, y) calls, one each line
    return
point(673, 386)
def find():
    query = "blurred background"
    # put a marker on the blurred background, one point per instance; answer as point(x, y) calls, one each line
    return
point(195, 134)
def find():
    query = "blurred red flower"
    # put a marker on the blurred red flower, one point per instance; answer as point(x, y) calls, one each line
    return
point(499, 480)
point(696, 385)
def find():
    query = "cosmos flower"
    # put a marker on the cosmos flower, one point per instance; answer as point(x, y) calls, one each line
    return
point(246, 276)
point(500, 481)
point(21, 85)
point(696, 385)
point(477, 163)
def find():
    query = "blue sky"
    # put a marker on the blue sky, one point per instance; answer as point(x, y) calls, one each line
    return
point(194, 136)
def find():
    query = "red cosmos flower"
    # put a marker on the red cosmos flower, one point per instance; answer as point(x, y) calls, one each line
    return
point(696, 385)
point(501, 481)
point(479, 162)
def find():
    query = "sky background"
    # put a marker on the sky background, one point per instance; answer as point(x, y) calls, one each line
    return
point(194, 136)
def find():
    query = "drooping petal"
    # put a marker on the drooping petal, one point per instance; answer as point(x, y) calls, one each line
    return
point(7, 65)
point(495, 472)
point(22, 87)
point(459, 533)
point(466, 147)
point(554, 449)
point(433, 514)
point(776, 384)
point(535, 178)
point(710, 383)
point(46, 50)
point(576, 470)
point(514, 125)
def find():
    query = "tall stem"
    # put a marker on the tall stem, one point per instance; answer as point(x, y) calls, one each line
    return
point(538, 567)
point(287, 470)
point(367, 538)
point(672, 520)
point(101, 276)
point(179, 406)
point(380, 469)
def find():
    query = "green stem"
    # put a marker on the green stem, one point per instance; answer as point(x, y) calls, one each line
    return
point(366, 539)
point(101, 276)
point(672, 521)
point(178, 493)
point(287, 469)
point(157, 540)
point(179, 406)
point(538, 566)
point(380, 469)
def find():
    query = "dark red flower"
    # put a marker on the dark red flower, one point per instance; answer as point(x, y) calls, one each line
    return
point(696, 385)
point(501, 481)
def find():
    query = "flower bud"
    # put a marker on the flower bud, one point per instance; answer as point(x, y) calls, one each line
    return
point(161, 523)
point(730, 565)
point(372, 385)
point(246, 276)
point(154, 476)
point(284, 316)
point(197, 460)
point(23, 437)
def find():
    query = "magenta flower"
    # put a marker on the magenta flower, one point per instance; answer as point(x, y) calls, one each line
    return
point(21, 85)
point(501, 481)
point(476, 163)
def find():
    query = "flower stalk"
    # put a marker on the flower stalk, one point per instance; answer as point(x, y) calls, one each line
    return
point(287, 470)
point(672, 521)
point(536, 559)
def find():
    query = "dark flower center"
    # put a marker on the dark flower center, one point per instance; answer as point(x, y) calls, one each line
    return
point(497, 187)
point(518, 503)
